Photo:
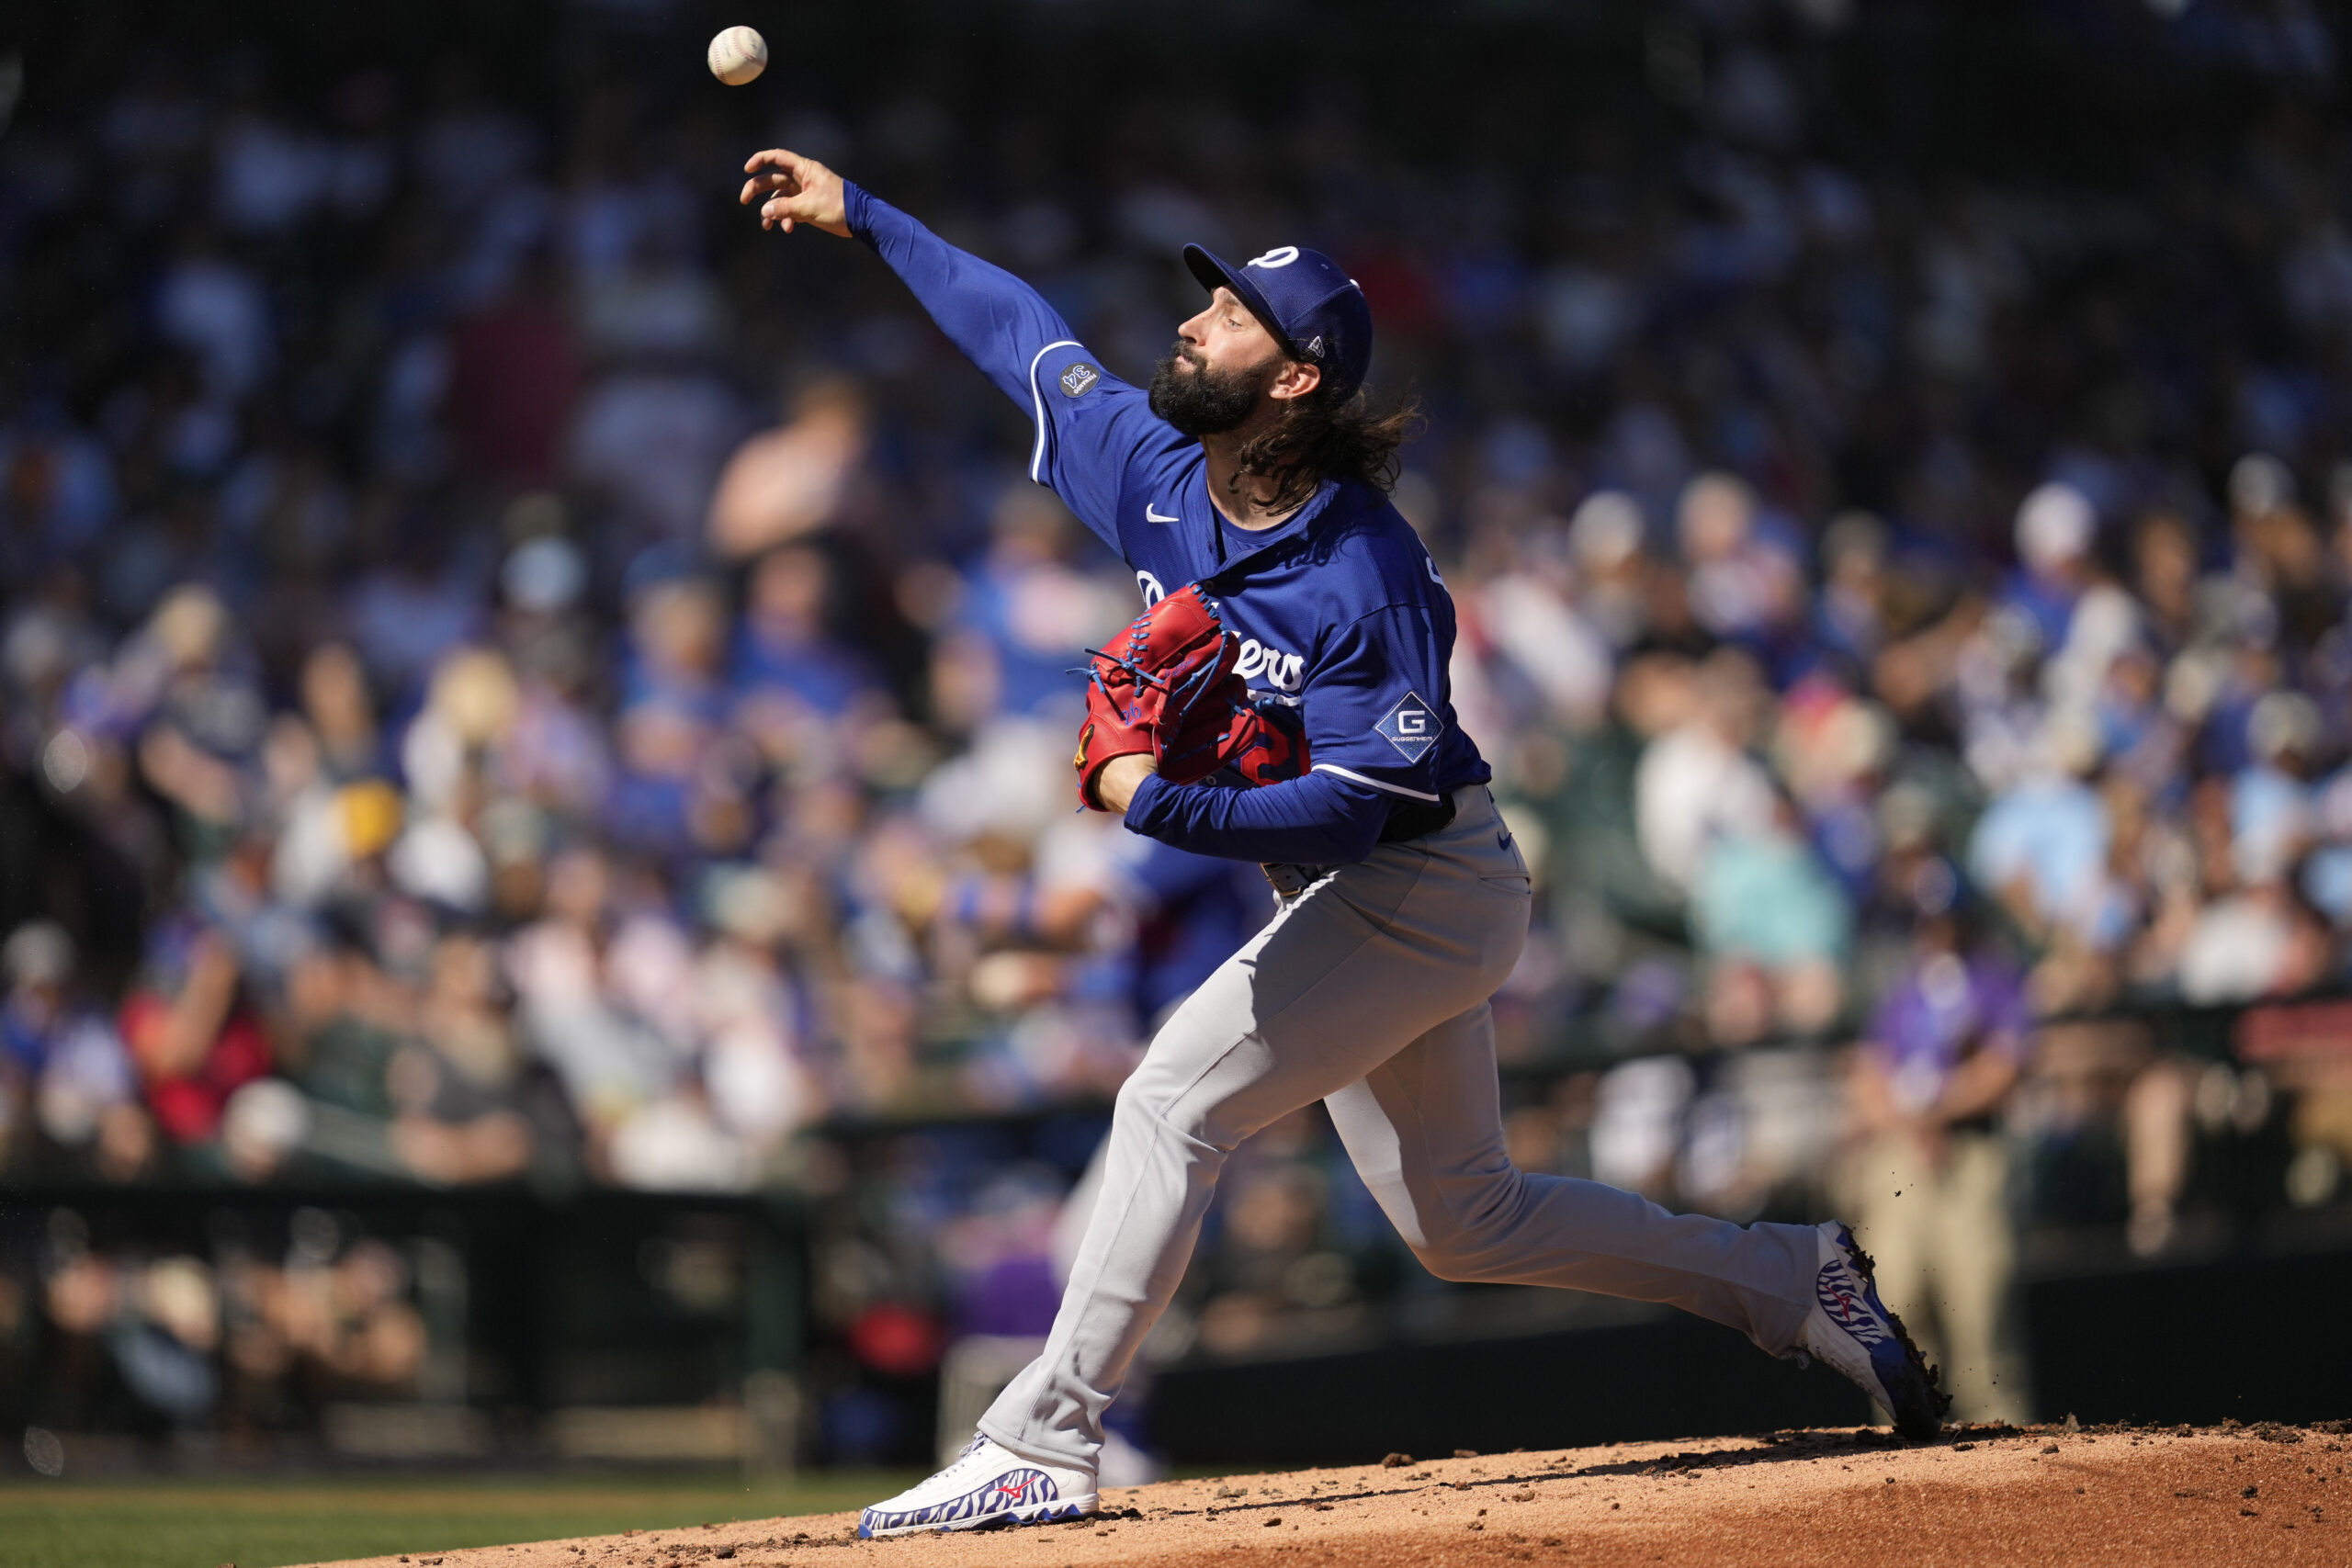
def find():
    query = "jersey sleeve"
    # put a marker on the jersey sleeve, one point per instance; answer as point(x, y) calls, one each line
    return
point(1093, 429)
point(1320, 819)
point(1088, 424)
point(1378, 704)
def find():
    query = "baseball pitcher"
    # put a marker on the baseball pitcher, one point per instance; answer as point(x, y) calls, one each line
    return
point(1283, 699)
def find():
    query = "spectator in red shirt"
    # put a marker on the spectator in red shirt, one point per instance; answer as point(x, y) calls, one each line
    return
point(192, 1038)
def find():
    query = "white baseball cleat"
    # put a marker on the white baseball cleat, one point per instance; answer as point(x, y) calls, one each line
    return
point(988, 1485)
point(1852, 1330)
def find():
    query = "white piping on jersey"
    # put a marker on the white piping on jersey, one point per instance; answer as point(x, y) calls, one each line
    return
point(1393, 789)
point(1037, 401)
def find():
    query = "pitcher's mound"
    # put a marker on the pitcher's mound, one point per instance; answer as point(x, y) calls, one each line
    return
point(1982, 1496)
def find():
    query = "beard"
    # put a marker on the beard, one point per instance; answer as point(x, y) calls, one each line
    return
point(1201, 401)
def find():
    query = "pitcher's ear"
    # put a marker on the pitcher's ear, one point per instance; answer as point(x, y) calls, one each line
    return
point(1298, 377)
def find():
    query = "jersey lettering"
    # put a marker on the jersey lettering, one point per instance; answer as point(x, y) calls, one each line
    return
point(1284, 671)
point(1152, 593)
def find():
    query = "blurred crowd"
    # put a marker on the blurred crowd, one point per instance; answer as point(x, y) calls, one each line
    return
point(510, 673)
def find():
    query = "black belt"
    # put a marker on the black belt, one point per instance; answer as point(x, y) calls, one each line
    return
point(1410, 819)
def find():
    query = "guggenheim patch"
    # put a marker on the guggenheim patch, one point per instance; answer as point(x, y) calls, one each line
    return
point(1411, 727)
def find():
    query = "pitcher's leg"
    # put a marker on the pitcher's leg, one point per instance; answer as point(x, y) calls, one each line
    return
point(1341, 979)
point(1157, 1179)
point(1425, 1130)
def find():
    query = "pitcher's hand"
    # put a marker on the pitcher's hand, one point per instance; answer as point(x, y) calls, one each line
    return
point(792, 190)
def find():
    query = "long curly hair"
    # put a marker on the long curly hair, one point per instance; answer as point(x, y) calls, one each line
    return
point(1323, 437)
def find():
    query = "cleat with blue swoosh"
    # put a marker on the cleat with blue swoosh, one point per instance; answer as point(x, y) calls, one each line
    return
point(989, 1485)
point(1852, 1330)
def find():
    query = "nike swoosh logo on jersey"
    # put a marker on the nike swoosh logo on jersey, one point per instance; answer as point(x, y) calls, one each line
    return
point(1151, 514)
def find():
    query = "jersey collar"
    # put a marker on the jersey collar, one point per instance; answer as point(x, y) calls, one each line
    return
point(1229, 546)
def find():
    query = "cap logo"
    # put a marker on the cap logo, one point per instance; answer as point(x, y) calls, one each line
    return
point(1281, 255)
point(1315, 346)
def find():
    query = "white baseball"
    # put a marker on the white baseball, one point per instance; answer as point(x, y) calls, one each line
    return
point(737, 55)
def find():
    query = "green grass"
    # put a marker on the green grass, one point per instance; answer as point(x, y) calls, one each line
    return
point(263, 1523)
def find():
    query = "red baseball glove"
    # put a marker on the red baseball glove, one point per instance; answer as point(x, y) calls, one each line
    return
point(1166, 686)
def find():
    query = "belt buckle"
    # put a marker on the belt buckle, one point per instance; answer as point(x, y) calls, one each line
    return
point(1288, 880)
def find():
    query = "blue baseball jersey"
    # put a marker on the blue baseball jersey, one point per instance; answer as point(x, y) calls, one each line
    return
point(1342, 615)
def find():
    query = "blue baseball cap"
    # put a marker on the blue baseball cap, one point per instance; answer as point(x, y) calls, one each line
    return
point(1315, 310)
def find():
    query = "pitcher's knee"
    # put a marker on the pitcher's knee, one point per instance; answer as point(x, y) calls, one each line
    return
point(1447, 1260)
point(1157, 1111)
point(1135, 1103)
point(1466, 1259)
point(1476, 1240)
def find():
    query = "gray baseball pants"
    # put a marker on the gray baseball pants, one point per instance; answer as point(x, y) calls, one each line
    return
point(1368, 991)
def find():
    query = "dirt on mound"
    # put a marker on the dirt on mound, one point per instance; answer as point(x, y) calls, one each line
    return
point(1981, 1496)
